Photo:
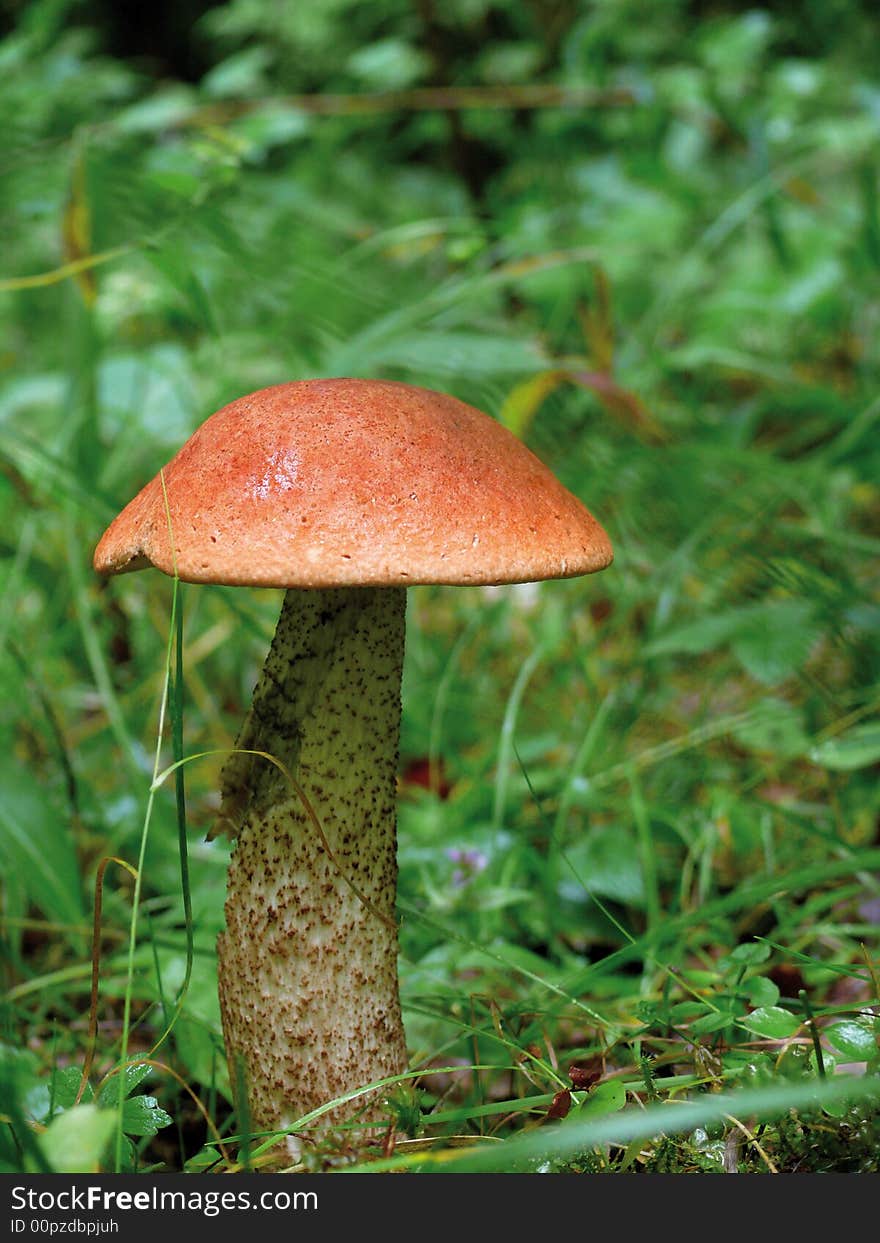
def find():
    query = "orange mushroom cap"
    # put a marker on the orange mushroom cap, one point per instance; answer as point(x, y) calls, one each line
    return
point(346, 482)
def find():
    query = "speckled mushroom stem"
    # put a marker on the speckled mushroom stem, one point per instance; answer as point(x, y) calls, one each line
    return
point(308, 961)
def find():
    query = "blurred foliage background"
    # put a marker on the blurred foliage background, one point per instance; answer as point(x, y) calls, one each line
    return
point(644, 235)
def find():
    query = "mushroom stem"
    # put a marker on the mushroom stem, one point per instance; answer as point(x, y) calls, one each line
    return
point(308, 960)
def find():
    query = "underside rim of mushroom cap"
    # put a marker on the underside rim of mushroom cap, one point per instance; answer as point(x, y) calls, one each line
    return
point(346, 482)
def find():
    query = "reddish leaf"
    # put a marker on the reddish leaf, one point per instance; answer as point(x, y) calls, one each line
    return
point(583, 1077)
point(597, 323)
point(418, 772)
point(560, 1105)
point(618, 401)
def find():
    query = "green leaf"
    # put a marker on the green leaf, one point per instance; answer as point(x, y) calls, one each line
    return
point(167, 106)
point(200, 1051)
point(388, 64)
point(18, 1077)
point(604, 1098)
point(771, 639)
point(523, 400)
point(750, 952)
point(36, 846)
point(268, 127)
point(689, 1011)
point(497, 897)
point(772, 1022)
point(705, 635)
point(854, 1040)
point(132, 1076)
point(777, 640)
point(761, 992)
point(776, 727)
point(713, 1022)
point(855, 748)
point(47, 1099)
point(142, 1115)
point(74, 1142)
point(241, 74)
point(606, 863)
point(25, 397)
point(147, 395)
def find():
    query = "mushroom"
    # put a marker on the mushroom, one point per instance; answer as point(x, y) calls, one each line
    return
point(344, 492)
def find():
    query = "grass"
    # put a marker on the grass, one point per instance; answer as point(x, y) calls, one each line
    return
point(639, 857)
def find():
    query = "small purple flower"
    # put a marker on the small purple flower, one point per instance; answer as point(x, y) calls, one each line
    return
point(470, 864)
